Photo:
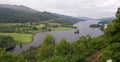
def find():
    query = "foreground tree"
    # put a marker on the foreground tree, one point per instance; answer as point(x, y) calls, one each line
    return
point(6, 42)
point(112, 52)
point(48, 40)
point(47, 48)
point(63, 48)
point(30, 54)
point(112, 32)
point(112, 38)
point(8, 57)
point(81, 49)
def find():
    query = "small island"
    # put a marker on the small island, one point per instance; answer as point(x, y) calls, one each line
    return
point(99, 25)
point(77, 32)
point(95, 26)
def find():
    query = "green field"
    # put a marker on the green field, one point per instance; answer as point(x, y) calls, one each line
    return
point(19, 38)
point(62, 28)
point(23, 32)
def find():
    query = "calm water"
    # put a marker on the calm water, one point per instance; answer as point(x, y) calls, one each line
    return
point(68, 34)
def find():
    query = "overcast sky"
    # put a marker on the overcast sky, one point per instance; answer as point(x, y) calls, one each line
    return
point(87, 8)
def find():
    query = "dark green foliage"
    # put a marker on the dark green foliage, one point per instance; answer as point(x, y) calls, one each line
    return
point(81, 49)
point(6, 42)
point(113, 31)
point(34, 28)
point(48, 40)
point(63, 48)
point(113, 28)
point(7, 28)
point(45, 52)
point(47, 48)
point(8, 57)
point(112, 38)
point(111, 52)
point(54, 59)
point(30, 54)
point(18, 28)
point(97, 44)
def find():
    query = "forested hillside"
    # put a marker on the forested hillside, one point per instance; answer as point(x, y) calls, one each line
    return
point(63, 19)
point(15, 13)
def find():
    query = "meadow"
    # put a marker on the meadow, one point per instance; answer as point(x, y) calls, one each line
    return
point(24, 32)
point(19, 37)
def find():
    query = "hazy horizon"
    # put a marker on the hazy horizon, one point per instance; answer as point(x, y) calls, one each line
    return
point(76, 8)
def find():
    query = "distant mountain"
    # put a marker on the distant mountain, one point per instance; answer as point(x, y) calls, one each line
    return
point(106, 19)
point(14, 13)
point(67, 19)
point(20, 13)
point(86, 18)
point(17, 7)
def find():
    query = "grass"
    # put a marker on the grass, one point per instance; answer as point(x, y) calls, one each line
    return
point(27, 38)
point(62, 28)
point(36, 31)
point(19, 38)
point(41, 25)
point(9, 24)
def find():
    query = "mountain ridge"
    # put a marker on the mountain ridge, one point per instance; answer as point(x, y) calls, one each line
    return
point(18, 7)
point(106, 18)
point(86, 18)
point(20, 13)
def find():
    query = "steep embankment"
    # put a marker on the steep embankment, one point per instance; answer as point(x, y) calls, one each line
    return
point(111, 49)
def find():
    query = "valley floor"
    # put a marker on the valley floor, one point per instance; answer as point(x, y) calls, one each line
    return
point(19, 37)
point(24, 32)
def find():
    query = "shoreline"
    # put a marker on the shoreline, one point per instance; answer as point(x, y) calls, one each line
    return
point(37, 37)
point(32, 35)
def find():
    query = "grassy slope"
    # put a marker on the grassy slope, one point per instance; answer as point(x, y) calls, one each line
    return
point(19, 38)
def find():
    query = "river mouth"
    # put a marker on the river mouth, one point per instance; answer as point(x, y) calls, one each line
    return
point(68, 34)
